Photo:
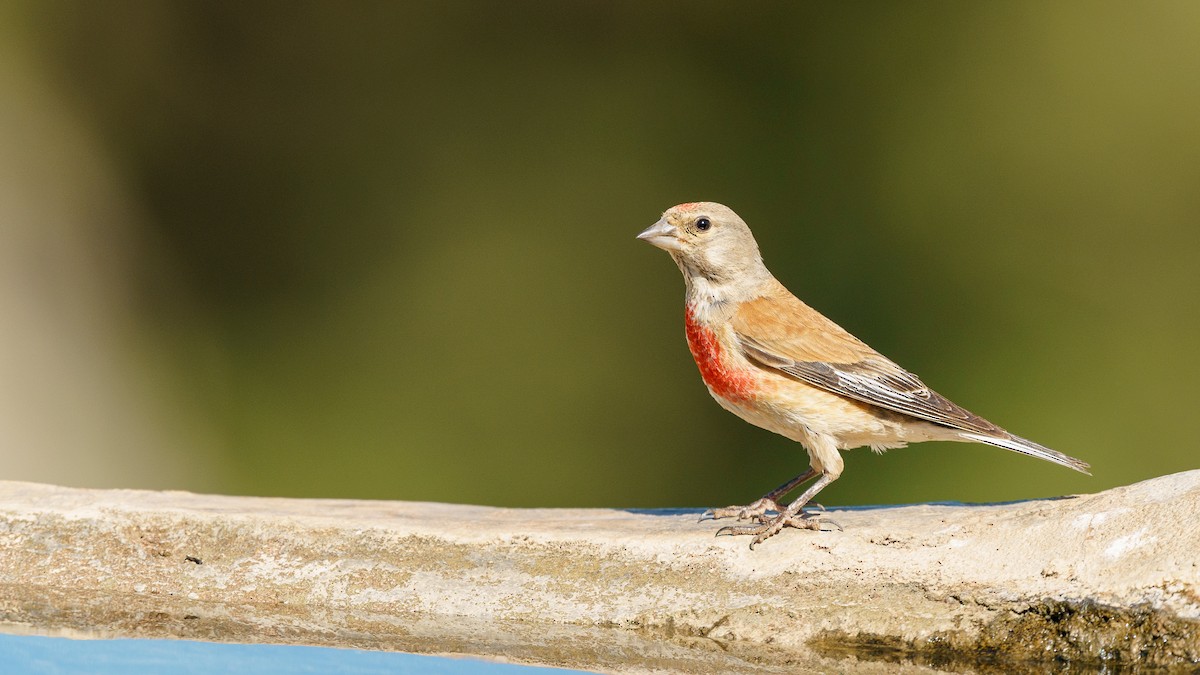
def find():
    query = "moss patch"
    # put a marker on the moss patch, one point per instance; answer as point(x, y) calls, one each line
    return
point(1059, 636)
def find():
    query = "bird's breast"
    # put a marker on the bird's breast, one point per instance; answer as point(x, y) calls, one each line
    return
point(719, 371)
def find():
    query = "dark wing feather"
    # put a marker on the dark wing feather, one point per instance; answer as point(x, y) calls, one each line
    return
point(874, 380)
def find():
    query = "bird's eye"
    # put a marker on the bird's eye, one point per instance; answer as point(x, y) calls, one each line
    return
point(703, 224)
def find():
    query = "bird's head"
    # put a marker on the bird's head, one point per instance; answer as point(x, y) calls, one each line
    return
point(710, 243)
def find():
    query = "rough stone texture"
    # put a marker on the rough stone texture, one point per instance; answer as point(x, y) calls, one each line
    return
point(1107, 578)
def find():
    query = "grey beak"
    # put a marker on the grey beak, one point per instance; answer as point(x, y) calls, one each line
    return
point(663, 235)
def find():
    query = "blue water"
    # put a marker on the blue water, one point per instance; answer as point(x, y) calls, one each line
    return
point(37, 655)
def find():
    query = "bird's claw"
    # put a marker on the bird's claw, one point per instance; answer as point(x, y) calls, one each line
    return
point(825, 521)
point(757, 510)
point(770, 526)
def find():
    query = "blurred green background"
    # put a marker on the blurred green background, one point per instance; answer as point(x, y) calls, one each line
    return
point(386, 250)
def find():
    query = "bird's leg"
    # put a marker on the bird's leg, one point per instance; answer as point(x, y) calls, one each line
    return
point(789, 517)
point(769, 502)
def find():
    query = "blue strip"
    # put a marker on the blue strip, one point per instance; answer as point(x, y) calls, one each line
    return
point(38, 655)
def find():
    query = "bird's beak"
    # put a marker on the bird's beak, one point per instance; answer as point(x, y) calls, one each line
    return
point(663, 235)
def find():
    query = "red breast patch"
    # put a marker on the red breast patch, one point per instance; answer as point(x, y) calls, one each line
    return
point(726, 382)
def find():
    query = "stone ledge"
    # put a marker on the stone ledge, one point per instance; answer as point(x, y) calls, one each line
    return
point(1113, 576)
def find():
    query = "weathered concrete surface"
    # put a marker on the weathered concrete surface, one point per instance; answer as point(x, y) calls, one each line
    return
point(1109, 577)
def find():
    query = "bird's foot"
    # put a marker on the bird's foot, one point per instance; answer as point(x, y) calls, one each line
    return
point(770, 526)
point(752, 511)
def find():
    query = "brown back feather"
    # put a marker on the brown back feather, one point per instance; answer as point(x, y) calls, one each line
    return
point(780, 332)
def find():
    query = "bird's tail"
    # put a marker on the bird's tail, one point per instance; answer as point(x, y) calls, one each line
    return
point(1027, 447)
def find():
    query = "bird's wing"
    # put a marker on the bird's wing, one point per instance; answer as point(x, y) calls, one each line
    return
point(782, 333)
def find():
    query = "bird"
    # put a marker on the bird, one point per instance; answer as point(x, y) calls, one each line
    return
point(777, 363)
